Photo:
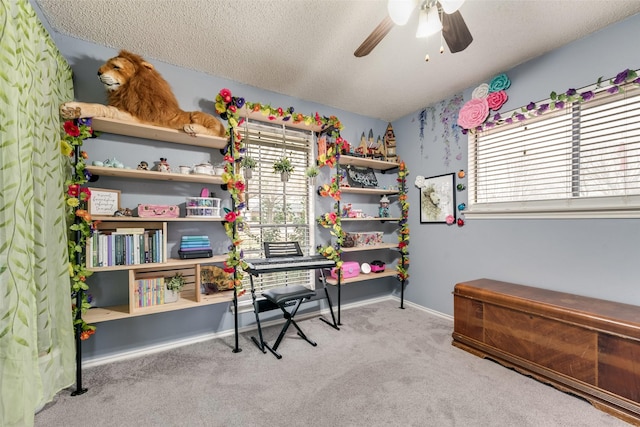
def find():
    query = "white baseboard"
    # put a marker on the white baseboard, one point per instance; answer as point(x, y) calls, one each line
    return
point(425, 309)
point(132, 354)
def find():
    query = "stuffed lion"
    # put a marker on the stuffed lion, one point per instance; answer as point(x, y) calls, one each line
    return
point(137, 92)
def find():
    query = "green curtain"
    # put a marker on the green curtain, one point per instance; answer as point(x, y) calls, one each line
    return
point(37, 350)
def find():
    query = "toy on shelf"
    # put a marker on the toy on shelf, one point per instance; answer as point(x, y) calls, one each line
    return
point(390, 144)
point(383, 210)
point(162, 166)
point(143, 166)
point(371, 148)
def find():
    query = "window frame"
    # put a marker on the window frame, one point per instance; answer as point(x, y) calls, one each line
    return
point(254, 148)
point(621, 206)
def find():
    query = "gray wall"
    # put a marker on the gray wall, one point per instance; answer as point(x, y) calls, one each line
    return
point(591, 257)
point(588, 257)
point(195, 91)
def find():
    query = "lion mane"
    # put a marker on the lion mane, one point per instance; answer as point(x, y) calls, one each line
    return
point(137, 92)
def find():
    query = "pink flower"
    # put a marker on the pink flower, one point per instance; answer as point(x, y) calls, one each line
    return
point(473, 113)
point(230, 216)
point(226, 95)
point(497, 99)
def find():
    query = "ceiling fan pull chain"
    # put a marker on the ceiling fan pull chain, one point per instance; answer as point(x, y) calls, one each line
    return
point(441, 35)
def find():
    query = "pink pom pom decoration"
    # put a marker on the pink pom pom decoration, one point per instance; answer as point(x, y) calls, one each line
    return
point(449, 219)
point(473, 113)
point(497, 99)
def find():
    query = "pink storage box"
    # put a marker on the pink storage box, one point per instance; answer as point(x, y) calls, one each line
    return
point(349, 269)
point(158, 211)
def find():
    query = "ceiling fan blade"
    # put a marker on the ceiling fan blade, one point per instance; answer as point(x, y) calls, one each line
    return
point(455, 32)
point(374, 38)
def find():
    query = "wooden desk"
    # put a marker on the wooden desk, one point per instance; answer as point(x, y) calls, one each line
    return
point(586, 346)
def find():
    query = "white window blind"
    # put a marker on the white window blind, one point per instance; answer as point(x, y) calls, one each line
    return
point(277, 211)
point(582, 161)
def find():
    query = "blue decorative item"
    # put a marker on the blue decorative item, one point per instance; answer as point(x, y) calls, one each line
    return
point(461, 206)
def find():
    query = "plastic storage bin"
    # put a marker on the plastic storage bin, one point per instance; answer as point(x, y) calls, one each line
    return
point(203, 207)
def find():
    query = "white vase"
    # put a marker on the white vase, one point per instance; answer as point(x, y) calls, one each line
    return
point(284, 176)
point(248, 173)
point(171, 296)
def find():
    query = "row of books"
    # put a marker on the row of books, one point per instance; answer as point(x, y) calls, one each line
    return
point(149, 292)
point(126, 246)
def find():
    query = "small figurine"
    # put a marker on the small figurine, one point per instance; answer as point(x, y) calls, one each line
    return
point(390, 144)
point(383, 210)
point(123, 212)
point(163, 166)
point(143, 166)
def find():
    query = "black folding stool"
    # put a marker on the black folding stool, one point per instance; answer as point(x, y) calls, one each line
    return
point(281, 297)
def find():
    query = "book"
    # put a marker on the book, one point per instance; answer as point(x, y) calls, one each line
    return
point(186, 238)
point(129, 230)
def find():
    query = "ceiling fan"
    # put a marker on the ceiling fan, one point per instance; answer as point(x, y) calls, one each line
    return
point(435, 16)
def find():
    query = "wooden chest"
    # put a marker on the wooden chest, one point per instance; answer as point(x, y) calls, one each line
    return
point(586, 346)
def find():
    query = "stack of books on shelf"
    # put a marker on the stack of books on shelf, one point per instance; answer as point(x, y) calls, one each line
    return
point(125, 246)
point(195, 247)
point(149, 292)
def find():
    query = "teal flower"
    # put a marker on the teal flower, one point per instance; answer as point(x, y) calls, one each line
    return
point(499, 82)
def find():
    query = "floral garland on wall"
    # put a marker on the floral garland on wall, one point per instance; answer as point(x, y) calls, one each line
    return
point(403, 233)
point(474, 115)
point(79, 222)
point(228, 107)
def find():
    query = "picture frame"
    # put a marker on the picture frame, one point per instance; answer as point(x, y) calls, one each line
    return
point(103, 201)
point(438, 199)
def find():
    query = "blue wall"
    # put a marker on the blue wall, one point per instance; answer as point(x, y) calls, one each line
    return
point(591, 257)
point(195, 91)
point(587, 257)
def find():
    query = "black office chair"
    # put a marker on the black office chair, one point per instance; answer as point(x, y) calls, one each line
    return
point(281, 297)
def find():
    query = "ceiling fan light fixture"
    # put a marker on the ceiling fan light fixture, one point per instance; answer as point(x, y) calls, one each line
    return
point(450, 6)
point(400, 10)
point(428, 22)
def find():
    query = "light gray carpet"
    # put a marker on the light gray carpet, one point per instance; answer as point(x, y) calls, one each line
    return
point(385, 367)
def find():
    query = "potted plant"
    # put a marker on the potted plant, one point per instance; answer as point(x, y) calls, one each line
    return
point(173, 287)
point(248, 163)
point(284, 167)
point(312, 172)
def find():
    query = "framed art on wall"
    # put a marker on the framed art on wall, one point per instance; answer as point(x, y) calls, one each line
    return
point(103, 202)
point(438, 199)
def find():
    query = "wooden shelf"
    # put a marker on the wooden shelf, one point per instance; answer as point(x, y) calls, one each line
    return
point(370, 219)
point(381, 165)
point(389, 272)
point(187, 300)
point(356, 190)
point(172, 262)
point(157, 133)
point(153, 175)
point(371, 248)
point(141, 219)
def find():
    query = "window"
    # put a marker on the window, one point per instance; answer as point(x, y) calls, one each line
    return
point(277, 211)
point(581, 161)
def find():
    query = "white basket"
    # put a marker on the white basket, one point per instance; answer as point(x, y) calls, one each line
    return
point(203, 207)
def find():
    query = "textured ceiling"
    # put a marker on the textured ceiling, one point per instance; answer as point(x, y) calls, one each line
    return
point(304, 48)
